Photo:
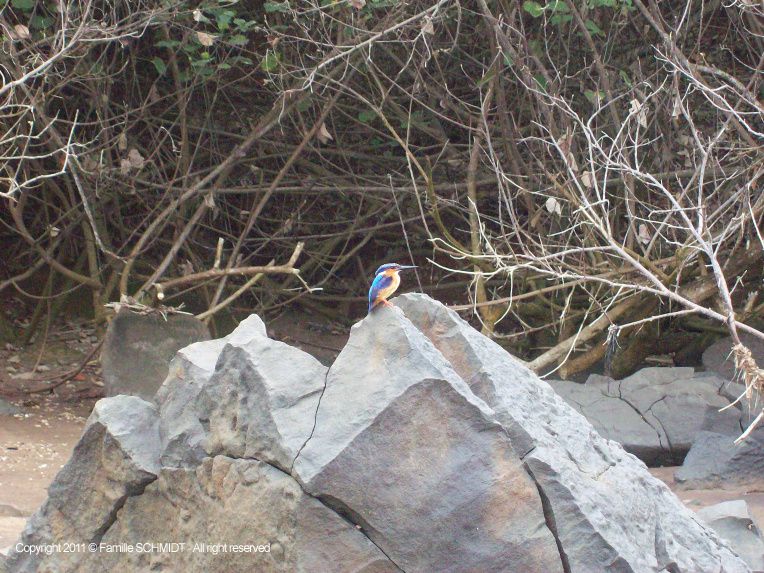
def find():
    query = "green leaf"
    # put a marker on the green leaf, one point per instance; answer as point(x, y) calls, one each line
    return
point(541, 81)
point(594, 97)
point(270, 62)
point(224, 20)
point(160, 66)
point(276, 6)
point(238, 40)
point(224, 66)
point(558, 19)
point(167, 44)
point(24, 5)
point(625, 78)
point(533, 8)
point(508, 60)
point(594, 30)
point(557, 6)
point(366, 116)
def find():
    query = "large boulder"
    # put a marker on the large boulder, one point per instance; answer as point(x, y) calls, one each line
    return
point(733, 522)
point(405, 450)
point(606, 511)
point(425, 447)
point(656, 413)
point(138, 348)
point(116, 457)
point(716, 462)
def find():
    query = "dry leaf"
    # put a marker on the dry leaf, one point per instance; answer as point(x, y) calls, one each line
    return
point(205, 39)
point(553, 206)
point(198, 15)
point(22, 32)
point(54, 231)
point(644, 233)
point(209, 200)
point(122, 141)
point(135, 158)
point(124, 166)
point(640, 110)
point(323, 134)
point(428, 27)
point(586, 179)
point(358, 4)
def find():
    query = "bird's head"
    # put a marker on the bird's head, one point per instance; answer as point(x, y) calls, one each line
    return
point(392, 268)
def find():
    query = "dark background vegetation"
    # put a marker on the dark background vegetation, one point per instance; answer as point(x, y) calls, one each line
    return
point(581, 177)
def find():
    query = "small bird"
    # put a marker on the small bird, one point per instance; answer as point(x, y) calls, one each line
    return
point(385, 283)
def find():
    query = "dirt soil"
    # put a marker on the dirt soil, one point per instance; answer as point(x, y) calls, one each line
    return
point(38, 439)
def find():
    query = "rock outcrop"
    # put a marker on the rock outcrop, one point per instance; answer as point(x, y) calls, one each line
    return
point(716, 462)
point(425, 447)
point(656, 413)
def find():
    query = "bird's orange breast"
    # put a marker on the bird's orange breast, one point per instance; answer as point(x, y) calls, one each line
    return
point(392, 287)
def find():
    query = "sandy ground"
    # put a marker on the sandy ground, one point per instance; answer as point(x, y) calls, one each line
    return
point(34, 446)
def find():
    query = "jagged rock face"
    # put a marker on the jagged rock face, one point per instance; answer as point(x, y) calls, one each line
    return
point(404, 449)
point(116, 457)
point(607, 512)
point(656, 413)
point(239, 502)
point(424, 448)
point(186, 397)
point(264, 409)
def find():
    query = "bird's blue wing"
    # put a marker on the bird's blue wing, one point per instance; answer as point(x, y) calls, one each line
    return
point(380, 282)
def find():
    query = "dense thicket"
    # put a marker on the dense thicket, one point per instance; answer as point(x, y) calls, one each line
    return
point(577, 170)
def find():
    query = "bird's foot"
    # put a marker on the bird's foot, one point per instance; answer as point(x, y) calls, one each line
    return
point(387, 303)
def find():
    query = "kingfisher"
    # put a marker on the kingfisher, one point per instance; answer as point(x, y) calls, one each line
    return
point(385, 283)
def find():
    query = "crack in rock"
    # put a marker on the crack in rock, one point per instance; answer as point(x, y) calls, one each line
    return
point(315, 421)
point(549, 518)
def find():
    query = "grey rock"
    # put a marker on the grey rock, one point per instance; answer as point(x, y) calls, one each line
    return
point(614, 419)
point(606, 511)
point(116, 457)
point(267, 395)
point(656, 413)
point(138, 349)
point(680, 404)
point(425, 447)
point(718, 358)
point(8, 409)
point(732, 521)
point(242, 502)
point(405, 450)
point(187, 396)
point(716, 462)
